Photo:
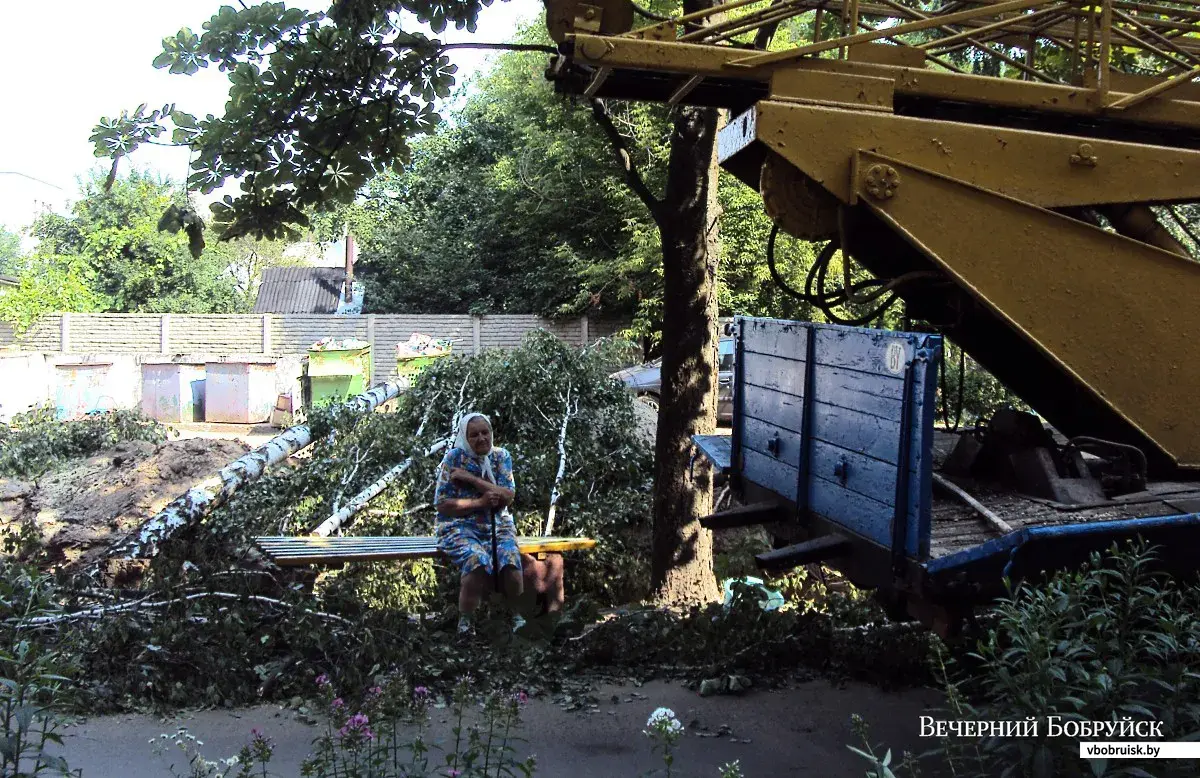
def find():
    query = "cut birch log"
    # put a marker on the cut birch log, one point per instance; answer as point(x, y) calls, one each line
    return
point(204, 497)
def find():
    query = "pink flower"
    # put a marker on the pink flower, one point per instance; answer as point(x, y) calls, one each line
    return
point(521, 697)
point(375, 691)
point(356, 727)
point(420, 693)
point(322, 680)
point(454, 773)
point(338, 704)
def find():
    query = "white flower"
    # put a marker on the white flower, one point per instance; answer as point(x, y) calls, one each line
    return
point(663, 719)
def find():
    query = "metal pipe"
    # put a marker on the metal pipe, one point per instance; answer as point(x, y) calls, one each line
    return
point(1140, 223)
point(978, 507)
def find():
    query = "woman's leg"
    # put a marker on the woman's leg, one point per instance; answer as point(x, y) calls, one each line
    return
point(470, 590)
point(511, 580)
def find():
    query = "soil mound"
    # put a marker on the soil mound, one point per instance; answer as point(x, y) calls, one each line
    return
point(81, 510)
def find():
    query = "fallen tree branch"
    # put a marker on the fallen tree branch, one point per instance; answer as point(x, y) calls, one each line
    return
point(107, 610)
point(214, 492)
point(361, 500)
point(562, 459)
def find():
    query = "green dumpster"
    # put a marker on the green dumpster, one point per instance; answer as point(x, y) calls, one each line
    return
point(336, 370)
point(418, 353)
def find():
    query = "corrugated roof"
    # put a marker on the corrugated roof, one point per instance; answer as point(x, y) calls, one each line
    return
point(300, 290)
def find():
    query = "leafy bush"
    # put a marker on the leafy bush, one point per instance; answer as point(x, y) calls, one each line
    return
point(36, 441)
point(1108, 641)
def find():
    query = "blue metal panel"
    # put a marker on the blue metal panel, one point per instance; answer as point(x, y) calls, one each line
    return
point(717, 448)
point(853, 423)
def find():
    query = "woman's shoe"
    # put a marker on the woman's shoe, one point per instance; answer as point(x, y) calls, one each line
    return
point(518, 622)
point(466, 627)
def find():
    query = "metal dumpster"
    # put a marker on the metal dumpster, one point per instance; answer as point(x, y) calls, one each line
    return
point(239, 392)
point(173, 391)
point(418, 353)
point(80, 389)
point(337, 370)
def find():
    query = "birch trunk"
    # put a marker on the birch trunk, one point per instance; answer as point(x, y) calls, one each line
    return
point(188, 509)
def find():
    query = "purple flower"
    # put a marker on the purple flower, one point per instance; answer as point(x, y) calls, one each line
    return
point(322, 680)
point(375, 691)
point(420, 693)
point(355, 727)
point(521, 697)
point(338, 704)
point(454, 773)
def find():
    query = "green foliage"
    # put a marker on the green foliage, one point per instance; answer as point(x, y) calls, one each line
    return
point(981, 395)
point(49, 283)
point(318, 103)
point(35, 442)
point(516, 206)
point(119, 242)
point(32, 678)
point(10, 253)
point(1112, 640)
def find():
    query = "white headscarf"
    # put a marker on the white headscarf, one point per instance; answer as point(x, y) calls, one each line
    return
point(461, 442)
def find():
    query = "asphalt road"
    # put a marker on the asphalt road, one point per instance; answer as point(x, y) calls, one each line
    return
point(802, 731)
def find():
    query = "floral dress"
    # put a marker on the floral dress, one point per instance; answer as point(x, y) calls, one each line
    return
point(467, 540)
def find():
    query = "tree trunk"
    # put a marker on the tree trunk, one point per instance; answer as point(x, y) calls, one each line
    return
point(681, 562)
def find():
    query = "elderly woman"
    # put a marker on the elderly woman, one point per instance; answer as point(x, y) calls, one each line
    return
point(474, 488)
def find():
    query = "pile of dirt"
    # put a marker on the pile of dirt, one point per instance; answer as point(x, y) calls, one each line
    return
point(81, 510)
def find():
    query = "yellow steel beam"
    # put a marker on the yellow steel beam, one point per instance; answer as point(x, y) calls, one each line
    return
point(1172, 83)
point(1045, 169)
point(1118, 315)
point(790, 55)
point(699, 59)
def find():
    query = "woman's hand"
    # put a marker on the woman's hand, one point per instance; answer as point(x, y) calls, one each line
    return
point(461, 476)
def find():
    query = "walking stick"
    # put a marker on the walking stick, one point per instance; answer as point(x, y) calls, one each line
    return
point(495, 554)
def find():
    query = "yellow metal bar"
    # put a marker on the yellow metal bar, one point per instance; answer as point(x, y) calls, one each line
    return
point(891, 32)
point(1140, 97)
point(1105, 50)
point(735, 27)
point(1045, 169)
point(704, 13)
point(1155, 35)
point(1068, 308)
point(698, 59)
point(977, 43)
point(1003, 23)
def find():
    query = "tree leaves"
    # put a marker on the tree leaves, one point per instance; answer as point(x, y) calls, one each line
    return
point(317, 104)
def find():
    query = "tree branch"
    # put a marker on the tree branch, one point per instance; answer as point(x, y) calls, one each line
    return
point(633, 176)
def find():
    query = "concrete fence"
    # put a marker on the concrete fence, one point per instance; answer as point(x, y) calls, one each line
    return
point(46, 361)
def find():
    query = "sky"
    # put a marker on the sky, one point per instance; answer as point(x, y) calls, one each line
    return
point(66, 63)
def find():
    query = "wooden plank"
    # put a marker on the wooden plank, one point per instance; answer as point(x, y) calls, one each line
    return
point(819, 549)
point(770, 474)
point(744, 516)
point(774, 337)
point(863, 350)
point(304, 550)
point(771, 372)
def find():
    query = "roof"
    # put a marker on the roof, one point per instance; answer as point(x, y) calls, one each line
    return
point(300, 290)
